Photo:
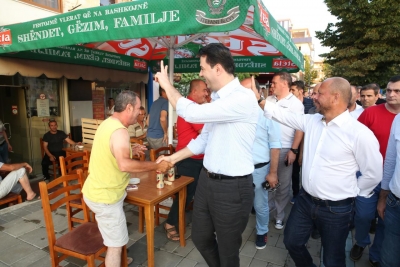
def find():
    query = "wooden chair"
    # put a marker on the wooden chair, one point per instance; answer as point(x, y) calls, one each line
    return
point(89, 128)
point(154, 153)
point(134, 140)
point(70, 165)
point(11, 199)
point(54, 167)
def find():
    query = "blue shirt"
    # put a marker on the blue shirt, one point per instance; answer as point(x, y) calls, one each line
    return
point(391, 168)
point(267, 136)
point(230, 122)
point(155, 130)
point(308, 103)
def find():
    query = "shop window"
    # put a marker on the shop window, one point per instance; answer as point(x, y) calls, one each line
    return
point(42, 97)
point(55, 5)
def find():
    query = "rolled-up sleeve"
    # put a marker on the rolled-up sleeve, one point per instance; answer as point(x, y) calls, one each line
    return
point(197, 146)
point(274, 134)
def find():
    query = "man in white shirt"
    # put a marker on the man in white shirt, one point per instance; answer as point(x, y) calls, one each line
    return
point(290, 140)
point(335, 148)
point(224, 194)
point(354, 109)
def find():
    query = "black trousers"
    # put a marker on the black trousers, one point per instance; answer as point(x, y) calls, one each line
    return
point(296, 176)
point(188, 167)
point(222, 207)
point(46, 162)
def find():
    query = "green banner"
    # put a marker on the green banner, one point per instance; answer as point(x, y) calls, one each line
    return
point(242, 64)
point(144, 19)
point(75, 54)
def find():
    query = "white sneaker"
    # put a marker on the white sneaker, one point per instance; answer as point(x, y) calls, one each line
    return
point(279, 225)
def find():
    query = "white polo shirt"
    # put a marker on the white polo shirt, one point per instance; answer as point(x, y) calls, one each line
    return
point(293, 104)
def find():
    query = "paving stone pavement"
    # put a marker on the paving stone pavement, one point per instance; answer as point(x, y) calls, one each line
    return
point(24, 242)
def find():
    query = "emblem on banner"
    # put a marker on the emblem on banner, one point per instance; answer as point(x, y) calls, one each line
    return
point(215, 8)
point(5, 37)
point(264, 17)
point(138, 64)
point(283, 63)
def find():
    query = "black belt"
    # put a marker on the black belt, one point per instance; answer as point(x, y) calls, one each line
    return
point(260, 165)
point(221, 176)
point(326, 203)
point(394, 196)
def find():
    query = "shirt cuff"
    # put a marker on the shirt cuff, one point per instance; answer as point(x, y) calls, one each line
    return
point(385, 184)
point(195, 147)
point(275, 145)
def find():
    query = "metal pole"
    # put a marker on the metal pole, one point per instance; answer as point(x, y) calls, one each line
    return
point(171, 79)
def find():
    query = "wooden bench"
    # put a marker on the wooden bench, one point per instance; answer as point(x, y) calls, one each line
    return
point(89, 128)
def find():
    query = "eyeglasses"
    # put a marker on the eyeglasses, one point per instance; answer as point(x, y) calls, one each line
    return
point(388, 90)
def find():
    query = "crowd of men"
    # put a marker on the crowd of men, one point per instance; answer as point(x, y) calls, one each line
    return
point(245, 151)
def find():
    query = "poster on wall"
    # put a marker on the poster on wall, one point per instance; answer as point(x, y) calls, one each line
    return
point(98, 103)
point(42, 107)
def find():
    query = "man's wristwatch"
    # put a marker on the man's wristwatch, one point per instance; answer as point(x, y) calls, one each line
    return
point(295, 151)
point(261, 99)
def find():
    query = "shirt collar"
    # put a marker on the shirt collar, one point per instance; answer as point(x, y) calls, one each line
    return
point(289, 96)
point(340, 119)
point(226, 90)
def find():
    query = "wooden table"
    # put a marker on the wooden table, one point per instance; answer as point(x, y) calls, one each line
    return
point(71, 149)
point(148, 195)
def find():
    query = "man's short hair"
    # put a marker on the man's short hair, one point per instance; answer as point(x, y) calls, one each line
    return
point(52, 120)
point(371, 86)
point(299, 84)
point(193, 83)
point(395, 79)
point(217, 53)
point(284, 76)
point(160, 90)
point(123, 99)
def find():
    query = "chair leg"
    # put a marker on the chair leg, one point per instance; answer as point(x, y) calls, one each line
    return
point(90, 261)
point(124, 257)
point(157, 215)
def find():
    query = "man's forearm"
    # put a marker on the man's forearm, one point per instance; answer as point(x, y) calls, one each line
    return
point(274, 160)
point(164, 125)
point(383, 194)
point(13, 167)
point(181, 155)
point(298, 136)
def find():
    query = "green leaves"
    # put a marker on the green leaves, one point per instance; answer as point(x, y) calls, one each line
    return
point(365, 42)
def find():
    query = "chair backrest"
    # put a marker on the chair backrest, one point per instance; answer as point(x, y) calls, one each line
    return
point(89, 128)
point(154, 153)
point(136, 141)
point(57, 193)
point(70, 164)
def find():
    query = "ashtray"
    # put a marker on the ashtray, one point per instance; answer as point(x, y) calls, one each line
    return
point(134, 181)
point(80, 147)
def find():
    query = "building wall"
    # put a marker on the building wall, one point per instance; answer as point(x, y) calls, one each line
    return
point(15, 11)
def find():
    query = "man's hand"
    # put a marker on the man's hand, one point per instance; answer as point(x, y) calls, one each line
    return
point(138, 149)
point(162, 76)
point(165, 138)
point(254, 88)
point(9, 147)
point(290, 157)
point(52, 158)
point(164, 166)
point(272, 179)
point(28, 168)
point(381, 207)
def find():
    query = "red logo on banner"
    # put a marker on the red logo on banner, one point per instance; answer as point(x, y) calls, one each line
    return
point(5, 37)
point(137, 64)
point(282, 63)
point(264, 17)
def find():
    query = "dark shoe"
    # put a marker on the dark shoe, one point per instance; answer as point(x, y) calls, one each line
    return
point(315, 234)
point(356, 252)
point(261, 241)
point(374, 263)
point(372, 229)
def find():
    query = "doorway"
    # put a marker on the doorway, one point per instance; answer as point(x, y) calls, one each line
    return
point(13, 115)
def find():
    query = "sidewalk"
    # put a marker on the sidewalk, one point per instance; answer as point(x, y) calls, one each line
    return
point(24, 243)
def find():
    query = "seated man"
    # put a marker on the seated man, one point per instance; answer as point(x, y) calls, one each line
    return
point(10, 182)
point(53, 144)
point(139, 129)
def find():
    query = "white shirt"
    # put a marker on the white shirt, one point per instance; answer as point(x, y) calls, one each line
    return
point(357, 112)
point(391, 169)
point(229, 130)
point(293, 104)
point(333, 153)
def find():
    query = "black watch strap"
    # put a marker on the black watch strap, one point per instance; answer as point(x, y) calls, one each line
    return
point(261, 99)
point(295, 151)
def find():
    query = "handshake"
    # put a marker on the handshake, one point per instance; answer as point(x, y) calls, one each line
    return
point(164, 163)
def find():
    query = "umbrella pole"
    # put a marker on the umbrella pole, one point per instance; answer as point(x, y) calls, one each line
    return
point(171, 79)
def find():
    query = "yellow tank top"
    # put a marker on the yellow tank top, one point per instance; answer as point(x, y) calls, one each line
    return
point(105, 183)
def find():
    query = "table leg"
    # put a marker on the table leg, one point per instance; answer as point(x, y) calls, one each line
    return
point(182, 224)
point(149, 215)
point(141, 219)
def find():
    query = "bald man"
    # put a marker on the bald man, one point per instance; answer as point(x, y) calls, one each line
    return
point(191, 166)
point(335, 145)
